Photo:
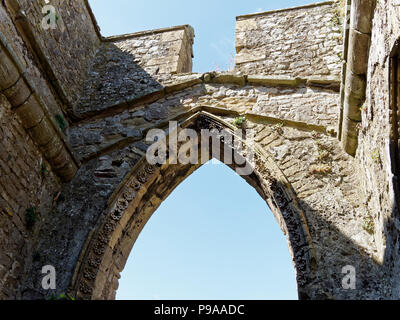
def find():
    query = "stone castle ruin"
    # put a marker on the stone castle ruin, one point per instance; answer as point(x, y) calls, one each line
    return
point(317, 84)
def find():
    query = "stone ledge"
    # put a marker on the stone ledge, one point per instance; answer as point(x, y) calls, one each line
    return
point(216, 111)
point(222, 78)
point(273, 81)
point(185, 82)
point(252, 15)
point(190, 80)
point(127, 36)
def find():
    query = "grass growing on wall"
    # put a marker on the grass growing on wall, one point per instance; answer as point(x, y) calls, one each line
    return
point(62, 124)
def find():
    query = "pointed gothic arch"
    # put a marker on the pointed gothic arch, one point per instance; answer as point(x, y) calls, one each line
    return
point(143, 190)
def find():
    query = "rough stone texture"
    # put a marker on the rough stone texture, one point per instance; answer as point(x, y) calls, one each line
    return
point(32, 70)
point(376, 139)
point(304, 42)
point(146, 61)
point(16, 84)
point(23, 185)
point(77, 212)
point(68, 49)
point(314, 107)
point(335, 210)
point(355, 67)
point(330, 204)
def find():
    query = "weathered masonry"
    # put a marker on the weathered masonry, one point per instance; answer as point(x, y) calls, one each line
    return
point(318, 85)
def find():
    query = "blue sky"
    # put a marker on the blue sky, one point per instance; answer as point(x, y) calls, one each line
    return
point(212, 20)
point(214, 237)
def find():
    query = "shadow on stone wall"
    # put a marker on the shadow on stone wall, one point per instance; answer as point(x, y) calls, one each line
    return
point(83, 205)
point(115, 79)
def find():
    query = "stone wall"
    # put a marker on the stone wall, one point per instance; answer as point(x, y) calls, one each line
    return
point(300, 42)
point(376, 139)
point(41, 76)
point(336, 210)
point(26, 182)
point(146, 59)
point(296, 103)
point(330, 199)
point(64, 52)
point(40, 115)
point(163, 51)
point(31, 69)
point(32, 148)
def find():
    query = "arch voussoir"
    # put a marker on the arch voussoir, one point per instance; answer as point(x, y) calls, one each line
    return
point(147, 186)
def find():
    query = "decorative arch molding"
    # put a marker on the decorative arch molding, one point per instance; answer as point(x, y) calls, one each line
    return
point(144, 189)
point(322, 197)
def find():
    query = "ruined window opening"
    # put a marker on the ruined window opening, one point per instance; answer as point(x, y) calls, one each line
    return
point(395, 118)
point(395, 110)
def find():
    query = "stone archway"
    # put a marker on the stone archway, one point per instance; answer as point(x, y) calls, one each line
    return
point(309, 182)
point(141, 193)
point(84, 106)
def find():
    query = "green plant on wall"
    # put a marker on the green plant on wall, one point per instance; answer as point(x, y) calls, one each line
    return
point(63, 296)
point(364, 108)
point(62, 124)
point(43, 170)
point(239, 121)
point(279, 127)
point(336, 19)
point(323, 150)
point(369, 225)
point(339, 13)
point(376, 157)
point(322, 155)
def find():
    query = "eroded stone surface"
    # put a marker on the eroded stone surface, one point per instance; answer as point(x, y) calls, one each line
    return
point(314, 106)
point(301, 42)
point(335, 210)
point(132, 67)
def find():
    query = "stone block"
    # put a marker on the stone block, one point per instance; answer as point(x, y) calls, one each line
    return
point(68, 172)
point(30, 113)
point(246, 25)
point(245, 57)
point(53, 148)
point(355, 85)
point(229, 78)
point(173, 35)
point(18, 93)
point(358, 52)
point(9, 74)
point(273, 81)
point(361, 15)
point(43, 132)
